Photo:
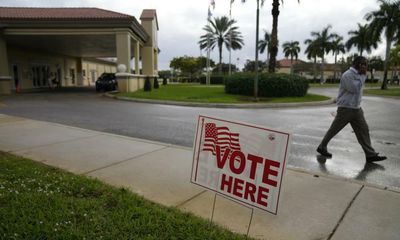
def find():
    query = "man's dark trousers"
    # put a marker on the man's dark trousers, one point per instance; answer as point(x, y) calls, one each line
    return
point(357, 121)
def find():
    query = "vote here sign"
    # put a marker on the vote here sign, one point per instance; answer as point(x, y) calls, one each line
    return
point(241, 161)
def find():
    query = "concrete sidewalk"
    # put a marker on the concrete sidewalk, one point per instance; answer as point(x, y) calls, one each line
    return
point(311, 207)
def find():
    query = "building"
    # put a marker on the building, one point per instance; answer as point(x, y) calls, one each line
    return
point(74, 45)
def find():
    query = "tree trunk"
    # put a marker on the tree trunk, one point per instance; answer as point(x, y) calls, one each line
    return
point(220, 60)
point(315, 68)
point(372, 75)
point(385, 66)
point(334, 71)
point(322, 70)
point(274, 36)
point(291, 65)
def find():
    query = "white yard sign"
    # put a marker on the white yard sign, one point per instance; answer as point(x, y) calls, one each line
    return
point(240, 161)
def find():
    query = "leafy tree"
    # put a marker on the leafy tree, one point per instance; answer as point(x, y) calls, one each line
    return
point(189, 65)
point(362, 39)
point(337, 48)
point(220, 32)
point(323, 43)
point(250, 66)
point(225, 68)
point(374, 63)
point(387, 19)
point(291, 49)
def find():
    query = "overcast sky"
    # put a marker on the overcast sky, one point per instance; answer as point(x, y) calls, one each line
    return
point(181, 21)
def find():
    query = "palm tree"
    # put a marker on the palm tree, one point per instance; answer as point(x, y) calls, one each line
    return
point(264, 44)
point(313, 51)
point(324, 41)
point(386, 18)
point(337, 48)
point(361, 38)
point(218, 33)
point(291, 49)
point(274, 35)
point(273, 51)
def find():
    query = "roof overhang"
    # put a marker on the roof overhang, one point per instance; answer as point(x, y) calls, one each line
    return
point(77, 37)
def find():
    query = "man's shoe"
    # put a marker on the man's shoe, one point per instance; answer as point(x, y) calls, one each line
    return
point(324, 152)
point(376, 158)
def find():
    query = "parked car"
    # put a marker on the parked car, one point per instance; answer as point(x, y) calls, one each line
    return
point(106, 82)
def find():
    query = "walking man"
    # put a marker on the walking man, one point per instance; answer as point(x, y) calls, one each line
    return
point(350, 111)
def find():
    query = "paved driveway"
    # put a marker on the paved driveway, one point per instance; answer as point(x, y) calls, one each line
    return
point(176, 124)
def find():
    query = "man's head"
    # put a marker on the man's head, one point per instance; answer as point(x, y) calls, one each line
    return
point(360, 64)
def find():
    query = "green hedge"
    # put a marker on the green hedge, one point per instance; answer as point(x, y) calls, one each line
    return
point(269, 85)
point(214, 79)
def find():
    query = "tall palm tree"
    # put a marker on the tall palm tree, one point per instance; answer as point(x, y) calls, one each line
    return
point(337, 48)
point(265, 44)
point(221, 32)
point(274, 33)
point(291, 49)
point(324, 42)
point(361, 38)
point(386, 18)
point(313, 52)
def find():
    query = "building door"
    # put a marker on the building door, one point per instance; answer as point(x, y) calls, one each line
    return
point(16, 77)
point(93, 74)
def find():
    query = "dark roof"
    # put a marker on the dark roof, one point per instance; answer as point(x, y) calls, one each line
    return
point(14, 13)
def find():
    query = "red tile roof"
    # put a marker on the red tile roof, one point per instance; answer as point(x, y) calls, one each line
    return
point(14, 13)
point(286, 62)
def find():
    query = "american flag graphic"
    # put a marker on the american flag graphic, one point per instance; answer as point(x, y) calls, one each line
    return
point(220, 136)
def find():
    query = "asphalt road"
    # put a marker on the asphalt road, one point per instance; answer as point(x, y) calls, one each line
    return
point(176, 124)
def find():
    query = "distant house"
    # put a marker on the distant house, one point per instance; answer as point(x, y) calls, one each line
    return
point(284, 65)
point(75, 45)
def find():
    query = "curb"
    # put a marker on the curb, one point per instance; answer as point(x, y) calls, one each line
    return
point(223, 105)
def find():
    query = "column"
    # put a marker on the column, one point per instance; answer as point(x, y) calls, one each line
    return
point(137, 57)
point(148, 60)
point(123, 49)
point(5, 78)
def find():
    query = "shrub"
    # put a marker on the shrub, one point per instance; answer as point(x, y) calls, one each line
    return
point(269, 85)
point(147, 85)
point(156, 85)
point(214, 79)
point(164, 81)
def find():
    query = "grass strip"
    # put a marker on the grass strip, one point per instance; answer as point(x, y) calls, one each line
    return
point(42, 202)
point(391, 91)
point(209, 94)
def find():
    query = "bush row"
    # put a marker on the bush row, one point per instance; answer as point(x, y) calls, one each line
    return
point(269, 85)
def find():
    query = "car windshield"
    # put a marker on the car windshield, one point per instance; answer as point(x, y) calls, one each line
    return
point(107, 76)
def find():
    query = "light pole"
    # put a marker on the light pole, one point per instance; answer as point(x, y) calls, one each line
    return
point(256, 61)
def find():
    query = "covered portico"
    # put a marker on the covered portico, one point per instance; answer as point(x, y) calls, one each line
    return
point(58, 35)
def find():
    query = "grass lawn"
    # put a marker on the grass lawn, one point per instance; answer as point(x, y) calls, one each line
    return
point(209, 94)
point(336, 85)
point(393, 91)
point(41, 202)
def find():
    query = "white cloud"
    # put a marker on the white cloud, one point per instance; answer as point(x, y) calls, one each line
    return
point(181, 21)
